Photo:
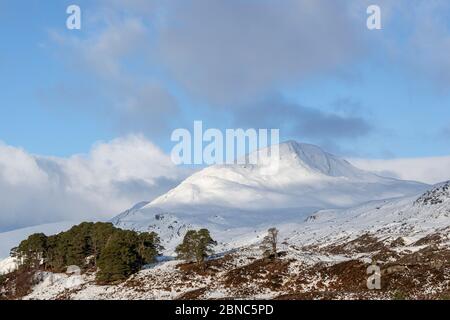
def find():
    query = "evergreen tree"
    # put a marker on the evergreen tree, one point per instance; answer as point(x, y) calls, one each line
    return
point(125, 253)
point(101, 233)
point(32, 251)
point(196, 246)
point(205, 244)
point(269, 243)
point(56, 253)
point(149, 246)
point(77, 240)
point(186, 249)
point(118, 259)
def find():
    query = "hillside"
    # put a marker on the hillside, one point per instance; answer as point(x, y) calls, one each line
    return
point(334, 220)
point(324, 256)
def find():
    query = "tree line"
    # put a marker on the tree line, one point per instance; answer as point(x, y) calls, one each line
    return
point(114, 253)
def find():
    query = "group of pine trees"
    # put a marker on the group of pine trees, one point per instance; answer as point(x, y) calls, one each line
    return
point(116, 253)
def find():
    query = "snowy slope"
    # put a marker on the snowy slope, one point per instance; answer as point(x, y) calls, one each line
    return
point(302, 175)
point(237, 202)
point(309, 264)
point(410, 218)
point(7, 265)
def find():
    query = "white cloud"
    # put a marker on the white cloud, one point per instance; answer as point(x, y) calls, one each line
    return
point(19, 168)
point(429, 170)
point(111, 178)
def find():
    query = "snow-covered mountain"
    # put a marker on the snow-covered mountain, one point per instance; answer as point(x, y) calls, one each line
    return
point(236, 201)
point(334, 220)
point(302, 175)
point(324, 256)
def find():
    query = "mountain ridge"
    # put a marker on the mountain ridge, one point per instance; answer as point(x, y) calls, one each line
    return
point(233, 200)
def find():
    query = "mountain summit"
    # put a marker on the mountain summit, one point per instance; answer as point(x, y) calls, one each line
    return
point(312, 159)
point(302, 175)
point(235, 198)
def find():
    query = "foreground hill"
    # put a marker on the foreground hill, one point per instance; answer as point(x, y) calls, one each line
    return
point(325, 255)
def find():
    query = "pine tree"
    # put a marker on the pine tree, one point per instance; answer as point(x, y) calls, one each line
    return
point(79, 244)
point(125, 253)
point(56, 254)
point(269, 244)
point(101, 232)
point(32, 251)
point(205, 244)
point(186, 250)
point(149, 246)
point(118, 259)
point(196, 246)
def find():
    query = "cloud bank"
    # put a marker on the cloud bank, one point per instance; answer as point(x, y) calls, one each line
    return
point(429, 170)
point(111, 178)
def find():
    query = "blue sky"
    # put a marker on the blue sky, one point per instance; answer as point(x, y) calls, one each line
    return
point(55, 101)
point(86, 115)
point(31, 66)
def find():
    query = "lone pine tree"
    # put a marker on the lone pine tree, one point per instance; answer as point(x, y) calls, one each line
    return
point(196, 246)
point(269, 244)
